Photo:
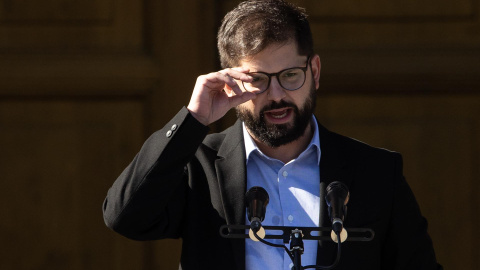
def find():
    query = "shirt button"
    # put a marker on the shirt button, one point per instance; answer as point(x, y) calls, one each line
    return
point(169, 133)
point(285, 173)
point(290, 218)
point(174, 127)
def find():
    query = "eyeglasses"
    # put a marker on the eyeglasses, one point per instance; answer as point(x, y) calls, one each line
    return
point(289, 79)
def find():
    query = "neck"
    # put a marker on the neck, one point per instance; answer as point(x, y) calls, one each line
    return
point(287, 152)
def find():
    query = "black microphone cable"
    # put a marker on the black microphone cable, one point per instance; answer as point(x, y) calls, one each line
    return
point(273, 245)
point(337, 259)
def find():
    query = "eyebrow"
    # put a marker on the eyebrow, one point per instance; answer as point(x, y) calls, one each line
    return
point(298, 66)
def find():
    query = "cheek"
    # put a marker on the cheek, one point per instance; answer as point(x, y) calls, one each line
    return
point(301, 96)
point(299, 99)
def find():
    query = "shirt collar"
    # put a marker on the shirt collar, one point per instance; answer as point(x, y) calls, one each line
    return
point(251, 146)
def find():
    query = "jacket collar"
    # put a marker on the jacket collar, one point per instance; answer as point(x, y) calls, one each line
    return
point(334, 159)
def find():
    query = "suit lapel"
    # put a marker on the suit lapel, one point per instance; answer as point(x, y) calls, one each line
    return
point(333, 164)
point(231, 172)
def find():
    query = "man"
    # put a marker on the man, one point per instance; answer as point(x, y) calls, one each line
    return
point(185, 183)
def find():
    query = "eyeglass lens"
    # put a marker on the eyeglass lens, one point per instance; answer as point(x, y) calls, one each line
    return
point(290, 79)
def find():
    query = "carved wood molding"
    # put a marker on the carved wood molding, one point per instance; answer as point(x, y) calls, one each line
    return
point(400, 71)
point(397, 11)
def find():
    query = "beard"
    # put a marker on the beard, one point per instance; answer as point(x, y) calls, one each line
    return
point(275, 135)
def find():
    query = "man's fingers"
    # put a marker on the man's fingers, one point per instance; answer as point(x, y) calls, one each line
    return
point(239, 99)
point(235, 88)
point(228, 80)
point(237, 73)
point(234, 76)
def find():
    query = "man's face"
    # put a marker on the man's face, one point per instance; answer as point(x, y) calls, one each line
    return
point(278, 116)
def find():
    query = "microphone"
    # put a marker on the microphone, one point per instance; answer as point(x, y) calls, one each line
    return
point(337, 198)
point(256, 199)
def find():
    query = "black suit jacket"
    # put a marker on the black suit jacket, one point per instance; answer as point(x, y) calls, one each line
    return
point(186, 184)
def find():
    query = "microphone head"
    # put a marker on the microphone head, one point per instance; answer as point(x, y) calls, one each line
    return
point(337, 197)
point(256, 200)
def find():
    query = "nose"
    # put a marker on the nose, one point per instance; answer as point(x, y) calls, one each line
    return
point(275, 92)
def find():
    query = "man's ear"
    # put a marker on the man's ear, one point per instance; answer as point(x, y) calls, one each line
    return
point(316, 67)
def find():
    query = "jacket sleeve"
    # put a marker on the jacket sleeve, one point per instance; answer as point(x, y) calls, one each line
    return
point(408, 244)
point(146, 201)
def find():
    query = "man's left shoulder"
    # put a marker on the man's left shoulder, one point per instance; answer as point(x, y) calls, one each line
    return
point(356, 148)
point(360, 156)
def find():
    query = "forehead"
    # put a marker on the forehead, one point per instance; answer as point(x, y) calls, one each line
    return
point(274, 58)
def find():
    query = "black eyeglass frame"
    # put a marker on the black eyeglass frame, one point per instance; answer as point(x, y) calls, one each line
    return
point(276, 74)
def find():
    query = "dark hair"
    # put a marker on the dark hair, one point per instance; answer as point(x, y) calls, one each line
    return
point(254, 25)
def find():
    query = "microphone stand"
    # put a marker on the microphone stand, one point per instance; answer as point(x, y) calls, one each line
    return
point(295, 236)
point(296, 247)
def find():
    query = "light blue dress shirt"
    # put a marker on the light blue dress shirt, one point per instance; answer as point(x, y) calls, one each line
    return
point(294, 190)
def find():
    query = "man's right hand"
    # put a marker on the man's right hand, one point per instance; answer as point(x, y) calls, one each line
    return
point(216, 93)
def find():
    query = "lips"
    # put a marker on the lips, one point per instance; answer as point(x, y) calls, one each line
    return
point(279, 115)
